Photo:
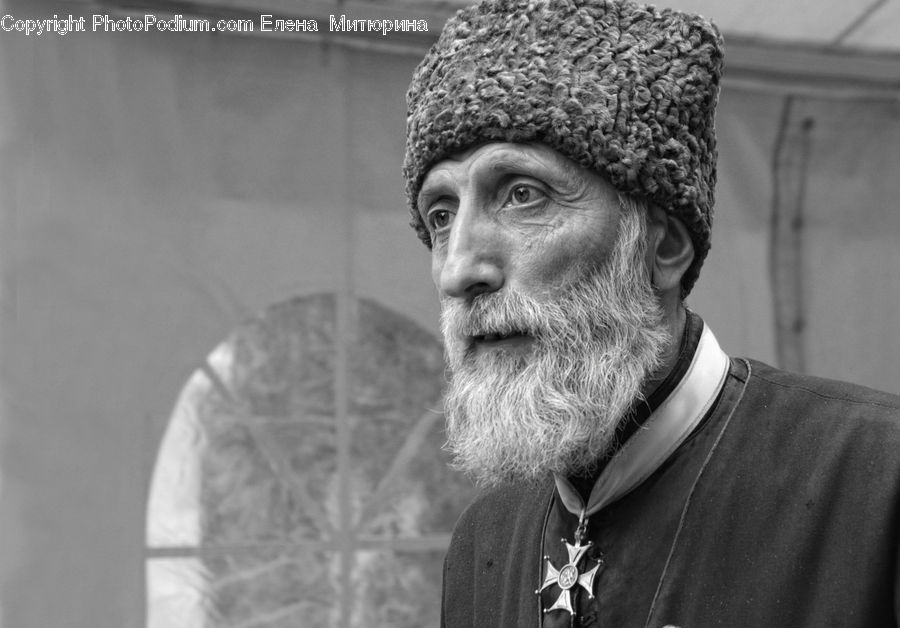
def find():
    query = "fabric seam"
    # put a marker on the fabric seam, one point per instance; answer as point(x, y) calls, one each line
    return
point(853, 400)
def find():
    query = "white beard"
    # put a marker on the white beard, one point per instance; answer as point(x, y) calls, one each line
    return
point(555, 408)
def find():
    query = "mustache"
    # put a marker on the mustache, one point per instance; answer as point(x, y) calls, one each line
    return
point(546, 319)
point(502, 313)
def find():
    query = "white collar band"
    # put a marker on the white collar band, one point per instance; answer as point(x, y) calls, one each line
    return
point(663, 432)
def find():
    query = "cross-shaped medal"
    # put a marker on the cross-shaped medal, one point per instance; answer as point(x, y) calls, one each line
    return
point(569, 576)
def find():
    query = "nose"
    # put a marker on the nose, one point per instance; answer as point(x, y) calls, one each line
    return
point(472, 263)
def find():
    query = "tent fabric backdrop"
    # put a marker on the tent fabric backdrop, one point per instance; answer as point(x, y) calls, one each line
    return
point(159, 190)
point(848, 262)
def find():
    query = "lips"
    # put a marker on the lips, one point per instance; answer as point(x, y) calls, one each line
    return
point(496, 337)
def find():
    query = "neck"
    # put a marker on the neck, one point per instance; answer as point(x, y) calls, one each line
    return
point(675, 319)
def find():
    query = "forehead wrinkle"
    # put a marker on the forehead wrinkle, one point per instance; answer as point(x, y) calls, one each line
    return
point(461, 169)
point(454, 173)
point(449, 168)
point(553, 167)
point(447, 164)
point(565, 173)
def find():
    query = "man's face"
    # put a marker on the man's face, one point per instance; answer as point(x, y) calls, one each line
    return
point(517, 217)
point(550, 324)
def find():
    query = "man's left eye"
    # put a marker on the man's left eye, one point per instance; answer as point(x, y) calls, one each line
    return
point(522, 194)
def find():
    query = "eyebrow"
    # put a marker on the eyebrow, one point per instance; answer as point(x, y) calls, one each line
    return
point(434, 185)
point(511, 162)
point(548, 167)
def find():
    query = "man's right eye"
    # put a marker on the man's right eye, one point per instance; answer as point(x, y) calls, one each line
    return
point(439, 219)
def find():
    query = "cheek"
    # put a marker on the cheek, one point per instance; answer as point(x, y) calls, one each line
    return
point(552, 261)
point(546, 269)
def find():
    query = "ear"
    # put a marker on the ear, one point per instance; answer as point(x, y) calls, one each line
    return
point(670, 250)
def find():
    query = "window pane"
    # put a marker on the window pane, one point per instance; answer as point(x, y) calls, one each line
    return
point(287, 495)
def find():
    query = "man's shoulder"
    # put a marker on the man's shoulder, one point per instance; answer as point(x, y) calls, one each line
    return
point(823, 391)
point(789, 405)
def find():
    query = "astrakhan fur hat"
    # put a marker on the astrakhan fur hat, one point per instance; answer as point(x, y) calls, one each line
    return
point(624, 89)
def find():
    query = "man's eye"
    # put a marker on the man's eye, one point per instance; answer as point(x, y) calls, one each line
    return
point(523, 194)
point(439, 218)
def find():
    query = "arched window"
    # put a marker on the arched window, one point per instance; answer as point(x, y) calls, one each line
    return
point(301, 480)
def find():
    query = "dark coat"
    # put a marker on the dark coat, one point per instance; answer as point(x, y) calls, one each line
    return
point(781, 510)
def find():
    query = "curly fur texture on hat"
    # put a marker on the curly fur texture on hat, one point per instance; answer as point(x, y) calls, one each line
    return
point(626, 90)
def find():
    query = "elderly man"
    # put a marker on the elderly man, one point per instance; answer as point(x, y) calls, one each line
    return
point(560, 164)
